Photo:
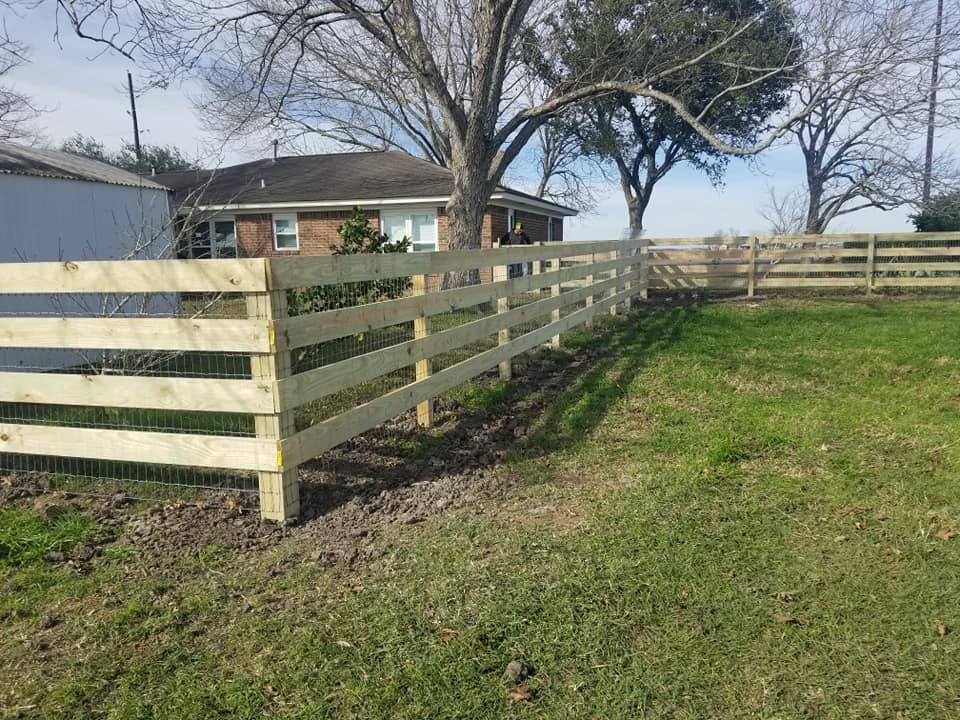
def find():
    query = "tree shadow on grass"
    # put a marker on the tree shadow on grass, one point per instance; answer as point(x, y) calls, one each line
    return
point(563, 394)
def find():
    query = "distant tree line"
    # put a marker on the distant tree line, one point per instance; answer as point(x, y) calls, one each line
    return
point(155, 158)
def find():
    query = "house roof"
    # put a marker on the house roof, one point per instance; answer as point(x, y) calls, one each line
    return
point(331, 178)
point(20, 160)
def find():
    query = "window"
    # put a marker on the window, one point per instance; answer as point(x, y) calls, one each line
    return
point(549, 229)
point(285, 232)
point(511, 219)
point(420, 227)
point(214, 238)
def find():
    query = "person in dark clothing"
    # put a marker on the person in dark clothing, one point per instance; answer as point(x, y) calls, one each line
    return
point(516, 237)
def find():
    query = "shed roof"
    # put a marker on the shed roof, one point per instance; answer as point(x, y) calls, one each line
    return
point(22, 160)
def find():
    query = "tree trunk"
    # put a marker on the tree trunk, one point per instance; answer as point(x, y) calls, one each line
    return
point(465, 211)
point(635, 212)
point(815, 224)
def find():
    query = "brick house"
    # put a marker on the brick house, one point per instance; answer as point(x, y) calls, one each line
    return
point(294, 205)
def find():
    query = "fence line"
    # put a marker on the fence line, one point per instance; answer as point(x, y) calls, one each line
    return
point(45, 413)
point(230, 376)
point(753, 263)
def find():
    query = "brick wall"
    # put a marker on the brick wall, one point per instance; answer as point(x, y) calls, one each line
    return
point(317, 231)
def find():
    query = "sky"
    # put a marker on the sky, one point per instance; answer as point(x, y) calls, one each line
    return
point(84, 90)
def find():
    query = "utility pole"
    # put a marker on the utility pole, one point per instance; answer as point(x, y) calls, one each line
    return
point(932, 116)
point(136, 127)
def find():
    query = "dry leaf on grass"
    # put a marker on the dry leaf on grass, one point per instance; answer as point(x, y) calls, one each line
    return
point(946, 533)
point(788, 620)
point(942, 629)
point(447, 634)
point(521, 693)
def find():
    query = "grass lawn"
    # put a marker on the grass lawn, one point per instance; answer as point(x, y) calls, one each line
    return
point(738, 511)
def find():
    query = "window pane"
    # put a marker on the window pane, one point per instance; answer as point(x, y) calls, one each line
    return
point(424, 232)
point(287, 242)
point(225, 238)
point(283, 225)
point(200, 242)
point(394, 226)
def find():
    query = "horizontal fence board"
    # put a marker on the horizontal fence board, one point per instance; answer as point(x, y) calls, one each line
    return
point(301, 271)
point(697, 265)
point(883, 252)
point(919, 266)
point(698, 255)
point(154, 393)
point(312, 385)
point(134, 276)
point(206, 451)
point(776, 282)
point(314, 328)
point(321, 437)
point(127, 333)
point(811, 253)
point(841, 267)
point(917, 282)
point(697, 283)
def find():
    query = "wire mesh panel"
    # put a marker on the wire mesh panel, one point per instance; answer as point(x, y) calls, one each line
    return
point(87, 376)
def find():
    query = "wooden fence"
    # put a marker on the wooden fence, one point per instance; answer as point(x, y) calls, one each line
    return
point(568, 284)
point(751, 263)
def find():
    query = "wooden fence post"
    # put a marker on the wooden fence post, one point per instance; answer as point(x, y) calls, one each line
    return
point(501, 273)
point(589, 281)
point(752, 270)
point(614, 255)
point(871, 263)
point(279, 491)
point(644, 268)
point(555, 292)
point(424, 368)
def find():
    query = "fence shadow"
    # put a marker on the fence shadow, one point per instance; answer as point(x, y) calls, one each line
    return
point(556, 399)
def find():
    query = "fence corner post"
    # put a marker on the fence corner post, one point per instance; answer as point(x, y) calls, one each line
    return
point(501, 274)
point(279, 491)
point(871, 263)
point(614, 255)
point(424, 368)
point(589, 282)
point(752, 270)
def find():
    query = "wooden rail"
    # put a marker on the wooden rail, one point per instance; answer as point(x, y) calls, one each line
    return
point(864, 261)
point(584, 279)
point(245, 363)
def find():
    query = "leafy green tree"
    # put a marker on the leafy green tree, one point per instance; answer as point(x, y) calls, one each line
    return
point(940, 214)
point(357, 236)
point(645, 139)
point(156, 158)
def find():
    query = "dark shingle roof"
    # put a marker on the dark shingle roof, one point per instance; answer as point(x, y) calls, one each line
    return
point(333, 177)
point(20, 160)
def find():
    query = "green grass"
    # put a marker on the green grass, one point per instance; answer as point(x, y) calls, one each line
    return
point(26, 537)
point(736, 511)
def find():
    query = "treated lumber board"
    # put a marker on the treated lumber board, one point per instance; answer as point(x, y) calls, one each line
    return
point(697, 265)
point(207, 451)
point(154, 393)
point(315, 328)
point(697, 283)
point(291, 272)
point(924, 236)
point(812, 253)
point(883, 252)
point(776, 282)
point(917, 282)
point(314, 384)
point(919, 266)
point(134, 276)
point(324, 435)
point(127, 333)
point(698, 256)
point(812, 267)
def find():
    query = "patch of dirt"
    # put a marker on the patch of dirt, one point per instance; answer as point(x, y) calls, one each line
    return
point(394, 474)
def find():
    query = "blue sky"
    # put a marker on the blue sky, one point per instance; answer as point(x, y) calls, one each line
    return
point(84, 91)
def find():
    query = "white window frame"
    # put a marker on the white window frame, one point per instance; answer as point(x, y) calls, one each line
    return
point(211, 236)
point(296, 230)
point(409, 212)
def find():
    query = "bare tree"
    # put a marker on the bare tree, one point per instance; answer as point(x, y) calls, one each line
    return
point(785, 213)
point(460, 60)
point(564, 173)
point(867, 82)
point(16, 110)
